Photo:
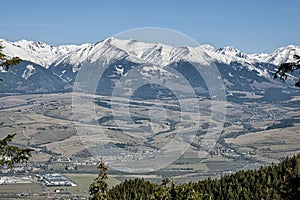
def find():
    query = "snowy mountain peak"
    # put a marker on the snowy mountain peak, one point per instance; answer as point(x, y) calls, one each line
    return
point(207, 47)
point(283, 54)
point(231, 51)
point(31, 44)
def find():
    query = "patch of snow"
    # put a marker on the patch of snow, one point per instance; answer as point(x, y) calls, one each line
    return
point(28, 72)
point(119, 69)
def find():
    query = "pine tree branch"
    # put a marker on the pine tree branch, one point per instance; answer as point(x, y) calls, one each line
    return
point(286, 68)
point(9, 154)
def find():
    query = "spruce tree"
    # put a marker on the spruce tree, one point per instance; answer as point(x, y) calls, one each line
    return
point(99, 188)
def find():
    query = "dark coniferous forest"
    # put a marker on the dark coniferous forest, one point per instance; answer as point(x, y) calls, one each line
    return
point(280, 181)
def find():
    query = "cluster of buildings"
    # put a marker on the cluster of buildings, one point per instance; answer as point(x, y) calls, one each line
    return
point(127, 156)
point(55, 180)
point(16, 179)
point(223, 151)
point(17, 168)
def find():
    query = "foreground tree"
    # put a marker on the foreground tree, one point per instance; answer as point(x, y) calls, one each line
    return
point(9, 154)
point(99, 188)
point(285, 68)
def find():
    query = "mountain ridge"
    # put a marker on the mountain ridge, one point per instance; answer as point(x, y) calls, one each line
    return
point(238, 70)
point(45, 54)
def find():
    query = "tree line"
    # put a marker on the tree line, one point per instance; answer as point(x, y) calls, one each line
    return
point(280, 181)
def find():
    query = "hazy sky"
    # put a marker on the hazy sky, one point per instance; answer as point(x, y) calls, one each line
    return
point(251, 26)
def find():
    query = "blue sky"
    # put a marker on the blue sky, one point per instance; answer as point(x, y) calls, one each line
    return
point(251, 26)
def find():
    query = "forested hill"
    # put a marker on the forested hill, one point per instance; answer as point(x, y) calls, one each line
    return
point(281, 181)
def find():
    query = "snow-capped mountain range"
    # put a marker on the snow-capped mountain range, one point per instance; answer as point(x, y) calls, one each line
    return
point(46, 68)
point(45, 55)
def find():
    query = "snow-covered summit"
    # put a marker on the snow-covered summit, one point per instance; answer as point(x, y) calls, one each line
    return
point(231, 51)
point(283, 54)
